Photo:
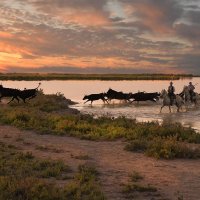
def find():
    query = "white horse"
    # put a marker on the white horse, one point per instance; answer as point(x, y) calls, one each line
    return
point(187, 96)
point(178, 101)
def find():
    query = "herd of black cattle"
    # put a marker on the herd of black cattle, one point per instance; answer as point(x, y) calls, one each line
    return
point(105, 97)
point(128, 97)
point(18, 94)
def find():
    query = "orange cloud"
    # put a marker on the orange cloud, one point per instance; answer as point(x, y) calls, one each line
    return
point(154, 18)
point(157, 18)
point(84, 18)
point(5, 34)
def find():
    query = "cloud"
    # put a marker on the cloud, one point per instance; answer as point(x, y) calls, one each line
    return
point(84, 12)
point(149, 35)
point(190, 32)
point(157, 17)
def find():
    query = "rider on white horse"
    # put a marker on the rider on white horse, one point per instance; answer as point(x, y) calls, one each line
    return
point(171, 90)
point(191, 89)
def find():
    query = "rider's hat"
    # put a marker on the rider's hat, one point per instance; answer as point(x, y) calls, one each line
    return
point(171, 82)
point(190, 82)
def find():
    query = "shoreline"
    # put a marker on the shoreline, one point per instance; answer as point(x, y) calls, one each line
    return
point(103, 77)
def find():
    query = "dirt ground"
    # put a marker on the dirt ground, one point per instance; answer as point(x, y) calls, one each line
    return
point(173, 178)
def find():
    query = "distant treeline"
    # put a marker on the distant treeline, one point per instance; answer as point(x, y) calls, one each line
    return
point(52, 76)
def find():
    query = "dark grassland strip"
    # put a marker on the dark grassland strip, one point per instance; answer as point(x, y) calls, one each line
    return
point(37, 76)
point(24, 177)
point(43, 115)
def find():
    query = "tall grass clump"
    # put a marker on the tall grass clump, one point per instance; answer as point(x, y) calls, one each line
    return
point(136, 189)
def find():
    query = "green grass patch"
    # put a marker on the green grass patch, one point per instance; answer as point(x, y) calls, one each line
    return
point(85, 185)
point(22, 176)
point(13, 163)
point(167, 148)
point(136, 189)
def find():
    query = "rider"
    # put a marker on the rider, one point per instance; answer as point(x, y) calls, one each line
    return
point(171, 90)
point(191, 90)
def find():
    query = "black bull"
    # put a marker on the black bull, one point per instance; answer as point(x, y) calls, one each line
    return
point(95, 97)
point(112, 94)
point(142, 96)
point(16, 94)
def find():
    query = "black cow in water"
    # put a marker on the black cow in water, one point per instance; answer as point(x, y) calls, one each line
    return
point(95, 97)
point(28, 93)
point(143, 96)
point(9, 92)
point(112, 94)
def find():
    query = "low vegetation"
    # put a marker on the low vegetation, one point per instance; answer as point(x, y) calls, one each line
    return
point(22, 176)
point(135, 189)
point(161, 147)
point(37, 76)
point(49, 114)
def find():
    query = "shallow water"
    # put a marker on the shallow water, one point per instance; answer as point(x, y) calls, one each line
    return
point(145, 111)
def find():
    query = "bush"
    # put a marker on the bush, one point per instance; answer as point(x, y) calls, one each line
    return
point(167, 148)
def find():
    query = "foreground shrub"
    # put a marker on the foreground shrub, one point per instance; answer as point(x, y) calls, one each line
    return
point(167, 148)
point(85, 186)
point(28, 188)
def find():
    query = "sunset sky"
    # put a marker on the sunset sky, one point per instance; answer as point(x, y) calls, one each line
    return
point(100, 36)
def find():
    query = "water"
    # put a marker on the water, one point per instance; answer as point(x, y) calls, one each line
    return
point(145, 111)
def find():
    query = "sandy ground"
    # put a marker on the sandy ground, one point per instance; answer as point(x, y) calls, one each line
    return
point(115, 164)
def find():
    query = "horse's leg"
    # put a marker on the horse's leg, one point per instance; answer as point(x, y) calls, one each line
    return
point(195, 102)
point(170, 109)
point(161, 108)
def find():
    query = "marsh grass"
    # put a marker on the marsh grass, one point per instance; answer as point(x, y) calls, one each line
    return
point(50, 76)
point(22, 176)
point(166, 140)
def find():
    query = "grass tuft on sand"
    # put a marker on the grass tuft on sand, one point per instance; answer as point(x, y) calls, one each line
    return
point(22, 176)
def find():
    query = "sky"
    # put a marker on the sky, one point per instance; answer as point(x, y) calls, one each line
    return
point(100, 36)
